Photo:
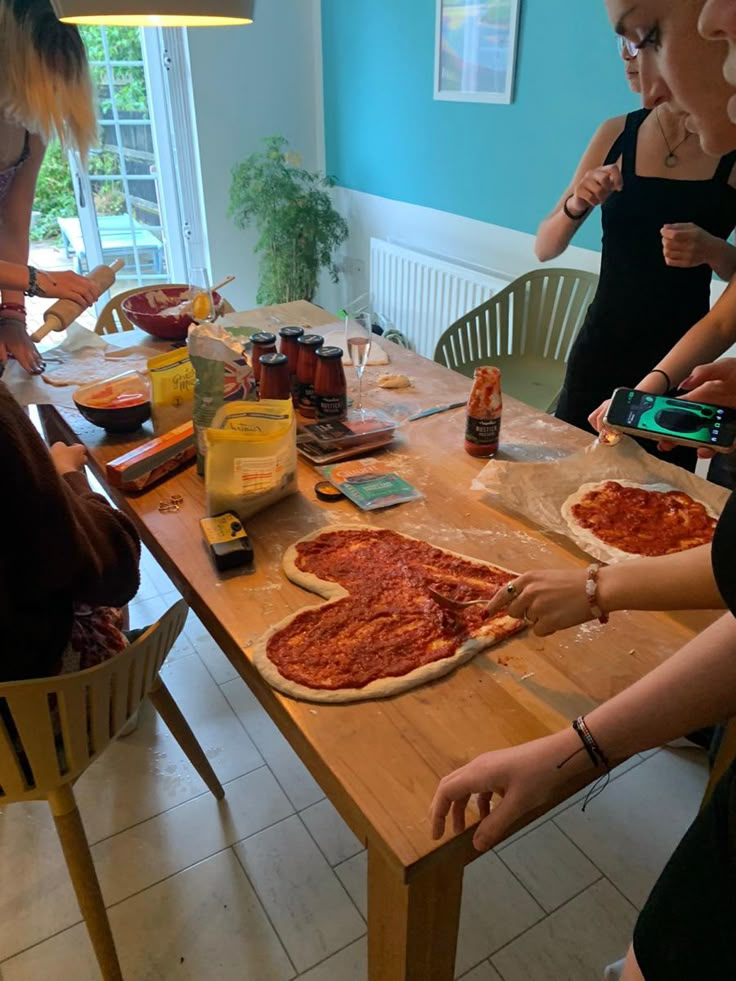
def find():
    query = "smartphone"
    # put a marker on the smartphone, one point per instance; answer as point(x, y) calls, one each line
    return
point(662, 418)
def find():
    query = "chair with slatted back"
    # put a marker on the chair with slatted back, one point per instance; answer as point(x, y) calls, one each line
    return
point(112, 318)
point(527, 330)
point(52, 729)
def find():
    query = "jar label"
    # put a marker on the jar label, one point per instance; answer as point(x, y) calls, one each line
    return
point(484, 432)
point(306, 395)
point(331, 406)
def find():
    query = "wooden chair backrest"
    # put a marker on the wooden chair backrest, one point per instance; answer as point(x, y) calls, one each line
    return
point(538, 315)
point(51, 729)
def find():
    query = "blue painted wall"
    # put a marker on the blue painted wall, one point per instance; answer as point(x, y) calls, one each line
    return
point(508, 165)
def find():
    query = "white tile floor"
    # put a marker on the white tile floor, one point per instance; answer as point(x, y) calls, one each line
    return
point(269, 884)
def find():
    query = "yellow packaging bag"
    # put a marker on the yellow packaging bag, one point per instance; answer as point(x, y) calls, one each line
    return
point(251, 456)
point(172, 388)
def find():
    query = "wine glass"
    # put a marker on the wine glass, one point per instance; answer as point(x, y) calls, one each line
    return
point(358, 337)
point(200, 296)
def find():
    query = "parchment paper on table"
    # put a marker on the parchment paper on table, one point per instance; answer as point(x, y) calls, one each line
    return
point(334, 335)
point(81, 358)
point(538, 490)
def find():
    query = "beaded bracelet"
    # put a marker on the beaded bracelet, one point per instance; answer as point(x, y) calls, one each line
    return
point(591, 592)
point(13, 308)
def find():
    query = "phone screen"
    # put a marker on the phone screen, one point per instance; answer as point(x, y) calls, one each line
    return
point(660, 416)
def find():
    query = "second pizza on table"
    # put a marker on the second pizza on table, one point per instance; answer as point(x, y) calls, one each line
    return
point(632, 519)
point(381, 631)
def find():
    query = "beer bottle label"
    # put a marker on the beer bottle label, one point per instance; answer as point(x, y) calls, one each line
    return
point(484, 432)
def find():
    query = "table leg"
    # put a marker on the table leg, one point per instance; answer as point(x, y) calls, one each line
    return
point(412, 925)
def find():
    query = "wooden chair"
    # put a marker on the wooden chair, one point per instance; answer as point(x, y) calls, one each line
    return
point(527, 330)
point(112, 319)
point(51, 729)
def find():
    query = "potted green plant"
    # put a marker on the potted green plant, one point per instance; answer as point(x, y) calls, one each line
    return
point(298, 227)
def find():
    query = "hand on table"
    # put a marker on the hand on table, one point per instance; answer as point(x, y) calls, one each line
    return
point(14, 340)
point(67, 286)
point(686, 245)
point(596, 186)
point(550, 600)
point(68, 459)
point(524, 776)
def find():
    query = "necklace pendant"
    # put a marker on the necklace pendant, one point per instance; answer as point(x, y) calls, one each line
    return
point(671, 160)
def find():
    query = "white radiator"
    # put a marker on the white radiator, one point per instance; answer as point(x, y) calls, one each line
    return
point(422, 294)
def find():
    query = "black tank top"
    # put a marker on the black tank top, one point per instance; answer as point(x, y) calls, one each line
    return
point(723, 553)
point(643, 306)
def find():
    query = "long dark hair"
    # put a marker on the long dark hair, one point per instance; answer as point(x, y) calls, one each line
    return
point(44, 77)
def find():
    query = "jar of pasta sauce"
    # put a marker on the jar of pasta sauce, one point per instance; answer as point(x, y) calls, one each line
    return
point(305, 371)
point(289, 345)
point(483, 424)
point(330, 387)
point(262, 343)
point(275, 381)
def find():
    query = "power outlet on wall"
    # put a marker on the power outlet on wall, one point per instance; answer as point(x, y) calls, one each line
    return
point(352, 266)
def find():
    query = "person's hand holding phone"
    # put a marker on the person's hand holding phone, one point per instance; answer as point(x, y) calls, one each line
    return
point(598, 415)
point(714, 383)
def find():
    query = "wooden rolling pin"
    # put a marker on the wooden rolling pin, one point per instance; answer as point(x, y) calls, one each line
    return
point(64, 312)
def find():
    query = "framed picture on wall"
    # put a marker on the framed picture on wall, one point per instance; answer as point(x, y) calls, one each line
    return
point(475, 50)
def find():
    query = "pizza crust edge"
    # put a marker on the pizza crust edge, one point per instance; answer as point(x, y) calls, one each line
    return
point(381, 687)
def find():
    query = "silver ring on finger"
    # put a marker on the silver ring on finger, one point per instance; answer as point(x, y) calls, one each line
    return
point(528, 620)
point(511, 590)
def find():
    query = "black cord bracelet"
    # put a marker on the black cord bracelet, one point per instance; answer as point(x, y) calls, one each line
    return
point(660, 371)
point(571, 214)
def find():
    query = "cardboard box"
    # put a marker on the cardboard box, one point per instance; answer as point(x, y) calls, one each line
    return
point(153, 460)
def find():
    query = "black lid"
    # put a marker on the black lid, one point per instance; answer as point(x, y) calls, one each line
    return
point(263, 337)
point(276, 359)
point(291, 332)
point(329, 352)
point(326, 491)
point(311, 340)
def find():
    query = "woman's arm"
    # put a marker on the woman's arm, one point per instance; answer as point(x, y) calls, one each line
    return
point(15, 220)
point(706, 341)
point(694, 688)
point(555, 599)
point(592, 183)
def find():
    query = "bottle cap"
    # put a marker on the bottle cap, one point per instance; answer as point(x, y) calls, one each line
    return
point(326, 491)
point(311, 340)
point(263, 337)
point(291, 332)
point(329, 352)
point(269, 359)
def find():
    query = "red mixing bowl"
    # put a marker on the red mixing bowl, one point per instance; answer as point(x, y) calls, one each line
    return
point(144, 309)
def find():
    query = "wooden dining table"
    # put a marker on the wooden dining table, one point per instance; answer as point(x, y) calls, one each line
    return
point(379, 761)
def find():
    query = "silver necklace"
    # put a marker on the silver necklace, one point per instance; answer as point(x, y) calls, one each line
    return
point(671, 160)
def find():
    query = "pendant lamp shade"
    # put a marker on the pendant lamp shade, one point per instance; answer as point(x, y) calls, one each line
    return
point(155, 13)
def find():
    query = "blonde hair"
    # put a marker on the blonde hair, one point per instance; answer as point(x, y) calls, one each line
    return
point(45, 85)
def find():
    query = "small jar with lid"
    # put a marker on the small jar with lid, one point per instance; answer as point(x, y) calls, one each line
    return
point(330, 387)
point(289, 345)
point(306, 370)
point(275, 382)
point(262, 343)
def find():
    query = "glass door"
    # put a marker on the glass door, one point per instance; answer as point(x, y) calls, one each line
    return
point(123, 205)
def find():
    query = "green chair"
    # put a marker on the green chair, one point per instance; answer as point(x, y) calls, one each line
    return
point(527, 330)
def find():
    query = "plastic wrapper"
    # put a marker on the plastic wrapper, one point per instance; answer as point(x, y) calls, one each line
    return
point(223, 374)
point(537, 491)
point(251, 457)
